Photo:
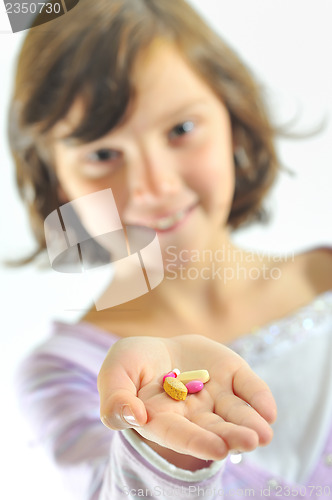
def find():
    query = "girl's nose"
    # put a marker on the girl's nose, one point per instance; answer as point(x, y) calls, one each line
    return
point(154, 176)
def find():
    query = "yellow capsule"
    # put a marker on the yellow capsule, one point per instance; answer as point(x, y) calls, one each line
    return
point(176, 389)
point(202, 375)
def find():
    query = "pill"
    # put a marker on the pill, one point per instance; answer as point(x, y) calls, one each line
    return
point(177, 390)
point(170, 374)
point(194, 386)
point(202, 375)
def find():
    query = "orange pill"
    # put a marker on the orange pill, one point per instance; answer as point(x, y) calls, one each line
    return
point(176, 389)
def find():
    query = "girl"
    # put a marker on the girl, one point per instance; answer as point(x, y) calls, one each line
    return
point(140, 96)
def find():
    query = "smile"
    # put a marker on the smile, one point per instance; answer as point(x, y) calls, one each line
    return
point(171, 221)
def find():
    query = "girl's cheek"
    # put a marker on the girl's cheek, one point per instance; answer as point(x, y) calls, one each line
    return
point(209, 166)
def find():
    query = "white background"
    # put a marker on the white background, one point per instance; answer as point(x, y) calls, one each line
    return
point(288, 45)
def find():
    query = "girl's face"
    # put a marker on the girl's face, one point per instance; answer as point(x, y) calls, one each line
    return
point(170, 165)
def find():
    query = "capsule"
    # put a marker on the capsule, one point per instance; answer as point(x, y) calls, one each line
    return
point(201, 375)
point(194, 386)
point(170, 374)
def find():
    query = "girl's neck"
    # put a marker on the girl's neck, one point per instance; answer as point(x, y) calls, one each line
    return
point(223, 311)
point(202, 291)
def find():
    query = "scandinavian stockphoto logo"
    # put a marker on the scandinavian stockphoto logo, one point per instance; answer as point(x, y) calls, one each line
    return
point(23, 15)
point(132, 252)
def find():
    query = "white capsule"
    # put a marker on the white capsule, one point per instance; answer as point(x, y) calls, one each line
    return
point(202, 375)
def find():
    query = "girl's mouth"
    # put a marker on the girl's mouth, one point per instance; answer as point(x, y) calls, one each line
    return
point(170, 222)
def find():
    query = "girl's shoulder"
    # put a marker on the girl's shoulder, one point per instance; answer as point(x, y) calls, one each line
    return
point(302, 277)
point(316, 268)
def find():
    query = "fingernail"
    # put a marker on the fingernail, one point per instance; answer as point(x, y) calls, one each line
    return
point(128, 416)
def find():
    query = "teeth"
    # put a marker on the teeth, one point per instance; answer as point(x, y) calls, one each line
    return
point(167, 222)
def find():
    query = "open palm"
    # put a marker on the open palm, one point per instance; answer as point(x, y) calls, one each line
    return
point(233, 411)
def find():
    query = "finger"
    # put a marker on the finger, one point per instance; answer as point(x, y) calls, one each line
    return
point(235, 410)
point(235, 436)
point(175, 432)
point(120, 408)
point(252, 389)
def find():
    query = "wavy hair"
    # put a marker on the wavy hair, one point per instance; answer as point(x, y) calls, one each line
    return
point(90, 53)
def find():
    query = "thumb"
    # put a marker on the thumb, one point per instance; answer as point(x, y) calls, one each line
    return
point(120, 408)
point(122, 411)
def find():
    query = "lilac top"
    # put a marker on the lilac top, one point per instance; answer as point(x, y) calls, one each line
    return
point(58, 391)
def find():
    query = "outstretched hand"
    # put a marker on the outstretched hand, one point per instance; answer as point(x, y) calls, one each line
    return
point(232, 412)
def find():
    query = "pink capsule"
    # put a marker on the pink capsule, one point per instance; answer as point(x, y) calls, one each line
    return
point(169, 374)
point(194, 386)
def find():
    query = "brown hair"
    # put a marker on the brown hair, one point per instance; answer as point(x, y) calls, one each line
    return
point(90, 52)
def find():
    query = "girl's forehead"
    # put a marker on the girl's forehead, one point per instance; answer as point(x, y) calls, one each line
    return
point(161, 66)
point(164, 84)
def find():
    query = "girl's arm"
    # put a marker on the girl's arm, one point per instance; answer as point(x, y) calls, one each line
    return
point(58, 386)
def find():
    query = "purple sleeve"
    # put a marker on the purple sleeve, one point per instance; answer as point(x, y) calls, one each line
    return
point(57, 387)
point(129, 475)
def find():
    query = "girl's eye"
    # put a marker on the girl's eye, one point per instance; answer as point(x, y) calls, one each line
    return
point(181, 129)
point(101, 163)
point(104, 155)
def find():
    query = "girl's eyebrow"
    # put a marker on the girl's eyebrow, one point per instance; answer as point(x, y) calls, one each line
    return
point(179, 111)
point(73, 142)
